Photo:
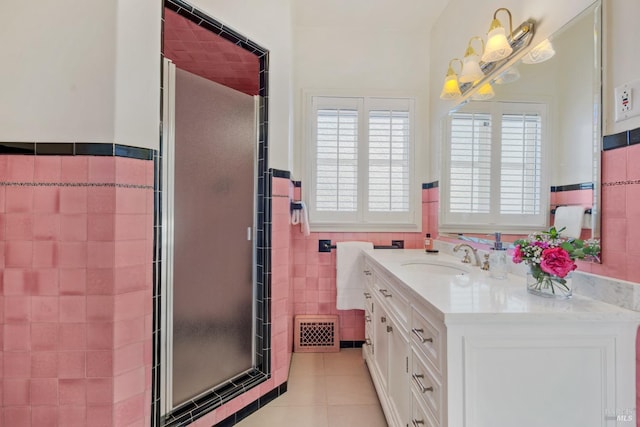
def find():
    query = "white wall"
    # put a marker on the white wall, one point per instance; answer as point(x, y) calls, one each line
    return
point(77, 71)
point(362, 47)
point(137, 97)
point(268, 23)
point(57, 76)
point(621, 59)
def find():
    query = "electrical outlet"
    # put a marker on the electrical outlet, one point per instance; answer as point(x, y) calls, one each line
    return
point(624, 104)
point(626, 100)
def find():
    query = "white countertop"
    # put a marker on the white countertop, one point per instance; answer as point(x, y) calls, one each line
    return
point(458, 296)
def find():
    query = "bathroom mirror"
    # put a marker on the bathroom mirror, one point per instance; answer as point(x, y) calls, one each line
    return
point(567, 87)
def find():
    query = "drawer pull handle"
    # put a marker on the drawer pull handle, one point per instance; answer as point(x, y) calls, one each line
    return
point(367, 341)
point(389, 328)
point(367, 272)
point(416, 423)
point(418, 333)
point(383, 319)
point(367, 295)
point(385, 293)
point(367, 318)
point(417, 378)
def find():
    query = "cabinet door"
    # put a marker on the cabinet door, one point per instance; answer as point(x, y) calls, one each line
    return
point(381, 342)
point(399, 380)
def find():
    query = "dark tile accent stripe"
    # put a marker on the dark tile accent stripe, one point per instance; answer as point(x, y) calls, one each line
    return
point(75, 149)
point(133, 152)
point(277, 173)
point(609, 142)
point(429, 185)
point(634, 136)
point(51, 149)
point(297, 184)
point(90, 149)
point(572, 187)
point(351, 344)
point(622, 139)
point(17, 148)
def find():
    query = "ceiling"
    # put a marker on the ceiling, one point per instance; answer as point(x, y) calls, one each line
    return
point(201, 52)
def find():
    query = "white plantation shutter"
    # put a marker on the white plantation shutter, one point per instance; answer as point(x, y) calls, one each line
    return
point(389, 149)
point(520, 165)
point(494, 178)
point(470, 181)
point(337, 156)
point(360, 158)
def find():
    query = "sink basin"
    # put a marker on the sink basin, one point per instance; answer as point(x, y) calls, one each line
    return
point(435, 268)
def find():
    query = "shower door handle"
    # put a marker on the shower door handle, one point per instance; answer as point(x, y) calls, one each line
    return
point(249, 233)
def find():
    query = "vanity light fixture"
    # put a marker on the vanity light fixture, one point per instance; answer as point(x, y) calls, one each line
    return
point(471, 70)
point(483, 93)
point(451, 87)
point(498, 47)
point(543, 52)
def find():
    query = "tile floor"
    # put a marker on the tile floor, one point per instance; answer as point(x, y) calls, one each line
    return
point(324, 390)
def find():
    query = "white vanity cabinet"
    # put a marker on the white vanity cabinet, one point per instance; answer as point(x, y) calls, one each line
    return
point(478, 352)
point(387, 348)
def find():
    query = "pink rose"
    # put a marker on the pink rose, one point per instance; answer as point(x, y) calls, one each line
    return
point(556, 261)
point(517, 255)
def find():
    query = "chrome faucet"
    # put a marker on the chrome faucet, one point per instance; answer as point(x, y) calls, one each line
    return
point(466, 259)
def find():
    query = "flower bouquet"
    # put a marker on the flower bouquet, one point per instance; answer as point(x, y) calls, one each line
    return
point(551, 259)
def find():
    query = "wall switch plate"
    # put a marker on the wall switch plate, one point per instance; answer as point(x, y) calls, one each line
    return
point(625, 105)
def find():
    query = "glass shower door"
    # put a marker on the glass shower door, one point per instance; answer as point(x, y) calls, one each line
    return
point(213, 220)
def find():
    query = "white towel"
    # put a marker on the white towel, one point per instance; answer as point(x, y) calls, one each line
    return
point(569, 217)
point(350, 277)
point(301, 216)
point(304, 220)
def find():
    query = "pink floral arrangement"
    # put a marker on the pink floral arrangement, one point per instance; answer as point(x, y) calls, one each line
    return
point(550, 255)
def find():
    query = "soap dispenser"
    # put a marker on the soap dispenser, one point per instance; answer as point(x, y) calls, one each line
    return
point(498, 259)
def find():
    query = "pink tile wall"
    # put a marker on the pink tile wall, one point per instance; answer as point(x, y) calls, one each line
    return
point(620, 215)
point(620, 219)
point(281, 306)
point(76, 302)
point(314, 273)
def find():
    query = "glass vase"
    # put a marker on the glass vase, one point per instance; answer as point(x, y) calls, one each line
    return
point(547, 285)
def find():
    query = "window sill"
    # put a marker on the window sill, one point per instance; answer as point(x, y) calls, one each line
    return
point(363, 228)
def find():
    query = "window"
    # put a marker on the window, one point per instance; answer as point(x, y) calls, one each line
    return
point(494, 169)
point(360, 164)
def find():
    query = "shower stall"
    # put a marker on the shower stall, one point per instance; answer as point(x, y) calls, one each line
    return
point(211, 311)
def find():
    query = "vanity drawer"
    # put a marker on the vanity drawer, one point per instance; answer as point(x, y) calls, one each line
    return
point(420, 416)
point(392, 298)
point(426, 387)
point(428, 338)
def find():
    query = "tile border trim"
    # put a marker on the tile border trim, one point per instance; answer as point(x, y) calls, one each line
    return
point(616, 183)
point(75, 149)
point(74, 184)
point(621, 139)
point(572, 187)
point(429, 185)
